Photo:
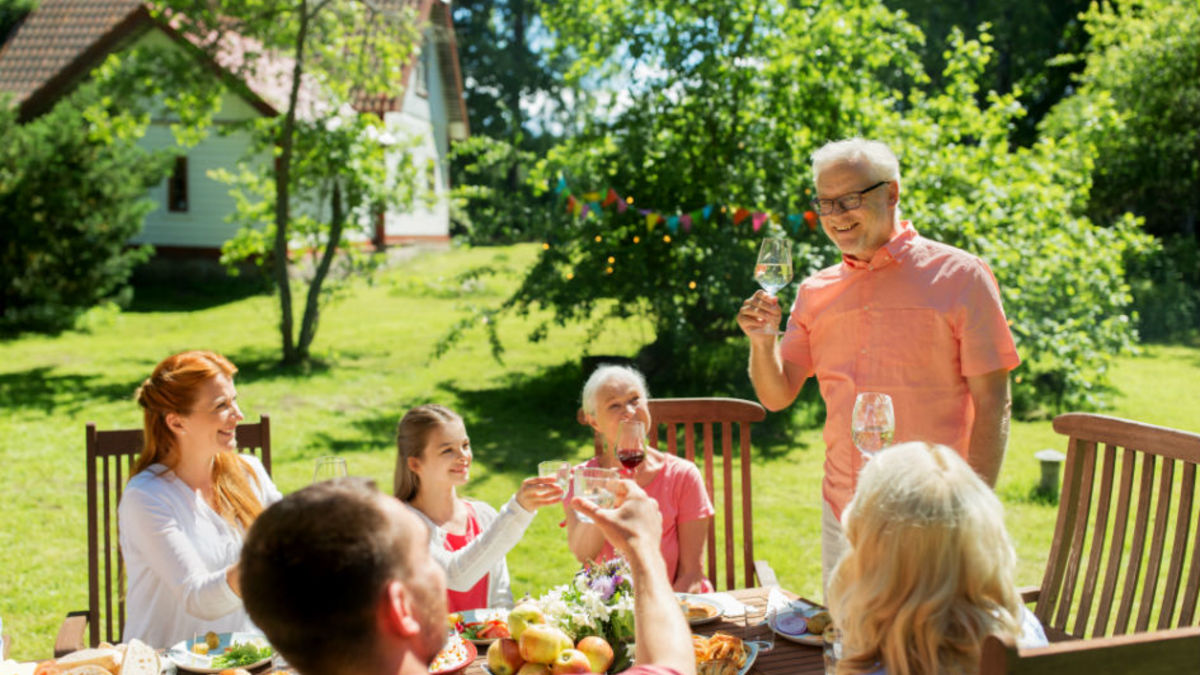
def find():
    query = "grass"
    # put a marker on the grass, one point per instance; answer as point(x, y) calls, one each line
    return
point(373, 363)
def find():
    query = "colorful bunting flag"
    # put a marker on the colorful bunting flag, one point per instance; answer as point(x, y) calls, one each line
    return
point(811, 217)
point(673, 224)
point(758, 219)
point(570, 204)
point(686, 221)
point(611, 198)
point(707, 211)
point(740, 215)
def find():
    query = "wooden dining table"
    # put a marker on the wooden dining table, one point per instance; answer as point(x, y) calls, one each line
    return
point(787, 657)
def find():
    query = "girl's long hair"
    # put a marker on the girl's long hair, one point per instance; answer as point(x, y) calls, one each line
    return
point(929, 568)
point(411, 436)
point(173, 388)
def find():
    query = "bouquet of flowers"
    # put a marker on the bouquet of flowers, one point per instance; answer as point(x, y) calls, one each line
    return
point(597, 601)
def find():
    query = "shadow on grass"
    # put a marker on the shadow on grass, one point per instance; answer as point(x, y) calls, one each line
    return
point(181, 295)
point(262, 364)
point(42, 389)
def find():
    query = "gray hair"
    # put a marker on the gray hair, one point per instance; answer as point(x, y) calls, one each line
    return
point(877, 155)
point(601, 376)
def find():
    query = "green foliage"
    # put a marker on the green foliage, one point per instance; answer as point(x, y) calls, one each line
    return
point(72, 193)
point(11, 12)
point(490, 211)
point(736, 96)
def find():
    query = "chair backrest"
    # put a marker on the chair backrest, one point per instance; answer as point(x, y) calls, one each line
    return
point(1126, 485)
point(688, 427)
point(1155, 653)
point(110, 459)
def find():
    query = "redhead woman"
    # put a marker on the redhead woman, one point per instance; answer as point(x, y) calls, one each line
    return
point(928, 572)
point(617, 393)
point(188, 504)
point(467, 537)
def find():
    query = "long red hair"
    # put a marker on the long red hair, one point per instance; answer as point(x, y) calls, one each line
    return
point(173, 388)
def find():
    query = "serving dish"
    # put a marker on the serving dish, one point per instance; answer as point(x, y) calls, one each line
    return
point(184, 658)
point(698, 609)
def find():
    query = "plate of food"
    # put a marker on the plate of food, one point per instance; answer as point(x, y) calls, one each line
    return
point(723, 654)
point(214, 652)
point(482, 626)
point(801, 622)
point(455, 656)
point(698, 609)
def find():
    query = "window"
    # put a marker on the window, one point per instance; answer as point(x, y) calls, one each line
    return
point(177, 187)
point(421, 76)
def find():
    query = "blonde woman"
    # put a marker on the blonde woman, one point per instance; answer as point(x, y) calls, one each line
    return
point(188, 504)
point(928, 571)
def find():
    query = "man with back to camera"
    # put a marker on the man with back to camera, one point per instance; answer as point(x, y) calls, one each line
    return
point(903, 315)
point(339, 578)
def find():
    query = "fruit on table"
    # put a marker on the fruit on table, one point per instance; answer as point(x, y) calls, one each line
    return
point(569, 662)
point(598, 652)
point(524, 615)
point(212, 640)
point(817, 623)
point(542, 643)
point(504, 657)
point(534, 669)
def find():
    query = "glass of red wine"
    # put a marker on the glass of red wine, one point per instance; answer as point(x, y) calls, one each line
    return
point(631, 444)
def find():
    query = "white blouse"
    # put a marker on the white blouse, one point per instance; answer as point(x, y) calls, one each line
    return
point(176, 550)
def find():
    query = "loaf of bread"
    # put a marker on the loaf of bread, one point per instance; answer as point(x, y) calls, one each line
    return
point(140, 659)
point(107, 658)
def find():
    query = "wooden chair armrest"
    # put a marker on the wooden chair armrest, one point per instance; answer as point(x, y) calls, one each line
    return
point(766, 575)
point(72, 634)
point(1030, 593)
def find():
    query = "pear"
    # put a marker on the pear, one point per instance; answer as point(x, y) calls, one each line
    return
point(521, 616)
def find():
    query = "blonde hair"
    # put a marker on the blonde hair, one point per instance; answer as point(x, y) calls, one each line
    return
point(877, 155)
point(601, 376)
point(928, 572)
point(173, 388)
point(412, 434)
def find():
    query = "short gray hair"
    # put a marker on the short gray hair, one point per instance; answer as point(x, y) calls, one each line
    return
point(877, 155)
point(601, 375)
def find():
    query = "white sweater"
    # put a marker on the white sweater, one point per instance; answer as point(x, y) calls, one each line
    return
point(498, 533)
point(176, 550)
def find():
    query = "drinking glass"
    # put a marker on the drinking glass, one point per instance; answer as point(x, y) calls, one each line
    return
point(873, 423)
point(328, 468)
point(559, 469)
point(592, 484)
point(832, 649)
point(773, 270)
point(631, 443)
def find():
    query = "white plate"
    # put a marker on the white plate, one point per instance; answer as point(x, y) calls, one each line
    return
point(751, 654)
point(481, 615)
point(779, 624)
point(701, 600)
point(182, 656)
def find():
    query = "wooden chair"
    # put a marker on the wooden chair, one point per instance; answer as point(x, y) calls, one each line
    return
point(110, 459)
point(1126, 485)
point(1165, 652)
point(669, 416)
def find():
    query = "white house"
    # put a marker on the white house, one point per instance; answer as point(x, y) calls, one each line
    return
point(61, 41)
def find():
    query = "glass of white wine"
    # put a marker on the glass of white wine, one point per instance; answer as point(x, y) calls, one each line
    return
point(873, 423)
point(592, 484)
point(329, 468)
point(773, 270)
point(559, 469)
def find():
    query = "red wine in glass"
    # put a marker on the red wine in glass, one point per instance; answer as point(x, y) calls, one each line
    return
point(631, 457)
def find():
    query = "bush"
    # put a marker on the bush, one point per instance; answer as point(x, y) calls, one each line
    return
point(72, 193)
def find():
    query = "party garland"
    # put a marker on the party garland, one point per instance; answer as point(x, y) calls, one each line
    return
point(591, 202)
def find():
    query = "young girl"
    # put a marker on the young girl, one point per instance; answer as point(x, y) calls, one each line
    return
point(467, 537)
point(189, 503)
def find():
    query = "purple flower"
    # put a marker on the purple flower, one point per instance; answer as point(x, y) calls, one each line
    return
point(605, 586)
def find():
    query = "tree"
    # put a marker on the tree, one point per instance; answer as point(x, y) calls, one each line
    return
point(327, 176)
point(731, 98)
point(72, 193)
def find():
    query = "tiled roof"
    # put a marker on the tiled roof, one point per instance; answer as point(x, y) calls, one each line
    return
point(57, 35)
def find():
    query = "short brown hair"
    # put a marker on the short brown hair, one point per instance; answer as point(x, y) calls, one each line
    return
point(314, 566)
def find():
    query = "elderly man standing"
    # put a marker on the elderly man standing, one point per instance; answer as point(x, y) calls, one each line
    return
point(915, 319)
point(340, 579)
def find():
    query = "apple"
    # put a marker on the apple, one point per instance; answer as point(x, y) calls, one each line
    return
point(571, 661)
point(523, 615)
point(542, 643)
point(598, 652)
point(504, 657)
point(531, 668)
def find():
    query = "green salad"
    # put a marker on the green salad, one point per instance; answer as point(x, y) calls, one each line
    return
point(242, 655)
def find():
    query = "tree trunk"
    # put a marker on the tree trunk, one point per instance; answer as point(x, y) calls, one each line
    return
point(312, 307)
point(519, 54)
point(283, 167)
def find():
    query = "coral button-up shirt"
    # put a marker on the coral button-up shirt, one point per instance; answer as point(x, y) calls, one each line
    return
point(914, 322)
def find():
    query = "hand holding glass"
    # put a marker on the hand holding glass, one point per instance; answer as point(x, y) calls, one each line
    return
point(328, 468)
point(773, 270)
point(592, 484)
point(631, 443)
point(560, 470)
point(873, 423)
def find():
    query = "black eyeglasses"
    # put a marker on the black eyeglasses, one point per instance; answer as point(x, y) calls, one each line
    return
point(847, 202)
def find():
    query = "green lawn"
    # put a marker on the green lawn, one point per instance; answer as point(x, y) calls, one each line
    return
point(373, 350)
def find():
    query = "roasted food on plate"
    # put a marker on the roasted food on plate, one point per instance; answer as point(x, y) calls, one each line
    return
point(721, 654)
point(697, 610)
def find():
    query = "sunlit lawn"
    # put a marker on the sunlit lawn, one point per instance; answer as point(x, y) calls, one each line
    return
point(374, 361)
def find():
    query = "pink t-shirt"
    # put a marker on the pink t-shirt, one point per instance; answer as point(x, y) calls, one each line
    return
point(678, 489)
point(913, 323)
